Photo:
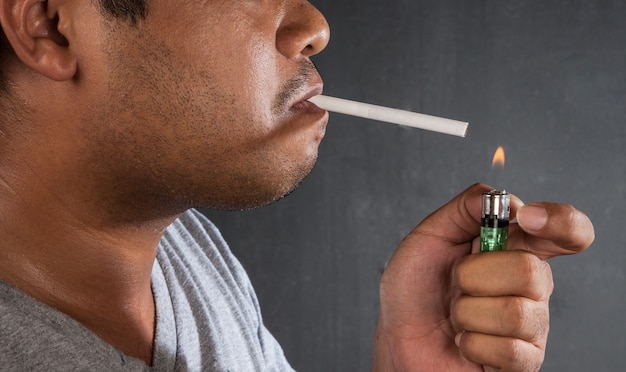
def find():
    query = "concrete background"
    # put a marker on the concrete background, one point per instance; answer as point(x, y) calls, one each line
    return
point(544, 79)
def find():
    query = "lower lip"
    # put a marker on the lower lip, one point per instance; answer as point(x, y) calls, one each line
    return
point(306, 107)
point(314, 115)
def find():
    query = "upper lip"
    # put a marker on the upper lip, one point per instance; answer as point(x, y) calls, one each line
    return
point(314, 88)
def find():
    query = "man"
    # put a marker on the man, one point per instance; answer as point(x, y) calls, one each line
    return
point(117, 117)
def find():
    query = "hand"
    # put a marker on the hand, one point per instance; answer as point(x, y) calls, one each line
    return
point(444, 309)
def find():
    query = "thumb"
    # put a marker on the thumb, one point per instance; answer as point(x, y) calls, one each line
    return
point(457, 222)
point(416, 277)
point(554, 229)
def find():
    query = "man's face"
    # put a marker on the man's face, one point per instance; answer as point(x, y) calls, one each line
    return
point(203, 103)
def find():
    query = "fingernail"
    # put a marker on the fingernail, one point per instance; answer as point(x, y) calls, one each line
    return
point(531, 217)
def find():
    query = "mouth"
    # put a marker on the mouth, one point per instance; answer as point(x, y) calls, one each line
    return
point(303, 103)
point(295, 93)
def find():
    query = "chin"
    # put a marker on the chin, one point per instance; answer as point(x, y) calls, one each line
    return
point(251, 195)
point(262, 200)
point(246, 203)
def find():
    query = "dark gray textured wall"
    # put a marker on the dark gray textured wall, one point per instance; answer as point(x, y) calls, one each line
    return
point(545, 79)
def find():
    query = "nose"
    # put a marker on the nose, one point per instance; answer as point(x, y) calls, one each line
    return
point(303, 30)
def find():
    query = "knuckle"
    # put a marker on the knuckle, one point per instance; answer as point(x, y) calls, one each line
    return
point(456, 313)
point(461, 313)
point(527, 319)
point(527, 267)
point(516, 311)
point(576, 229)
point(538, 332)
point(513, 352)
point(550, 279)
point(537, 275)
point(572, 219)
point(462, 273)
point(519, 357)
point(570, 212)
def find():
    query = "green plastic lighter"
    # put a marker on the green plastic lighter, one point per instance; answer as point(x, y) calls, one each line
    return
point(494, 230)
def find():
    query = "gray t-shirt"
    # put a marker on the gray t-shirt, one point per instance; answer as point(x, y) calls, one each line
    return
point(208, 317)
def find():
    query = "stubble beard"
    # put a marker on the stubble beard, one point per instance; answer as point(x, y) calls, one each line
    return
point(138, 185)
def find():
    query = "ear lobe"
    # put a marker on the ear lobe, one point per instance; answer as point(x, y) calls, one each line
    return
point(32, 30)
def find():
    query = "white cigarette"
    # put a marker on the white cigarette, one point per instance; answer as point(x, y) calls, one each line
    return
point(390, 115)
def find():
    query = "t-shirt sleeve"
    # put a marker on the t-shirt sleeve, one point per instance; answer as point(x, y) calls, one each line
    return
point(273, 352)
point(216, 312)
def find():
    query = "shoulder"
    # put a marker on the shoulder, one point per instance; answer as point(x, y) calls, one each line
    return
point(192, 247)
point(193, 230)
point(199, 281)
point(194, 239)
point(36, 337)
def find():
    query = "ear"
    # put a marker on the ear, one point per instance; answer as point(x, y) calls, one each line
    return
point(31, 27)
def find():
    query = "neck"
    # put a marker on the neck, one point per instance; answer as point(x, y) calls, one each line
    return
point(69, 236)
point(95, 270)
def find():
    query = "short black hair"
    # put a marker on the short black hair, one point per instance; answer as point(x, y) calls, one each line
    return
point(4, 49)
point(128, 10)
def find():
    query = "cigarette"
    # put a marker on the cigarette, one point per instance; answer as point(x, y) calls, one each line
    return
point(391, 115)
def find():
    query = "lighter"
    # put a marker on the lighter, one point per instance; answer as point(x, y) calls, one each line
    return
point(494, 230)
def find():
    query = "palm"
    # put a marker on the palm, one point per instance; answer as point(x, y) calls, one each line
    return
point(416, 298)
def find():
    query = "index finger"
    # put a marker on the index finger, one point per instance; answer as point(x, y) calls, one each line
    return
point(553, 229)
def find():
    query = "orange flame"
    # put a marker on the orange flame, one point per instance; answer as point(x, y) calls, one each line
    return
point(498, 158)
